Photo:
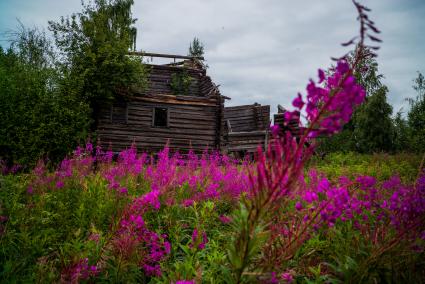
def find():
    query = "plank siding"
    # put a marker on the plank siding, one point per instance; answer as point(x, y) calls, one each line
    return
point(249, 127)
point(189, 127)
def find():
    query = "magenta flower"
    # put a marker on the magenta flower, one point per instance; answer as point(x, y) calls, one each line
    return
point(187, 202)
point(123, 191)
point(225, 219)
point(287, 277)
point(298, 102)
point(298, 206)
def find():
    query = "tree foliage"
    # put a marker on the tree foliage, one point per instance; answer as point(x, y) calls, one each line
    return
point(49, 91)
point(37, 120)
point(401, 133)
point(416, 115)
point(94, 45)
point(196, 48)
point(371, 128)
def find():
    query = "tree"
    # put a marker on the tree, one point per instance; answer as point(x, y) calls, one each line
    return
point(371, 128)
point(196, 48)
point(36, 119)
point(416, 115)
point(401, 134)
point(94, 46)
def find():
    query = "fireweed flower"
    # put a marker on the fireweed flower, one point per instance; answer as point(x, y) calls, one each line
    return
point(94, 237)
point(59, 184)
point(327, 108)
point(123, 191)
point(198, 241)
point(79, 271)
point(30, 189)
point(298, 206)
point(187, 202)
point(287, 277)
point(135, 238)
point(225, 219)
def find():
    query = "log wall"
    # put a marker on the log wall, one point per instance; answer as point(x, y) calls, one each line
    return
point(190, 126)
point(248, 117)
point(246, 142)
point(247, 128)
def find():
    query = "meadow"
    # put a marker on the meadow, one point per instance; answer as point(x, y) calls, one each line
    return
point(351, 218)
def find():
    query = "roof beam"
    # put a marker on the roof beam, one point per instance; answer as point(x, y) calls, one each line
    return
point(149, 54)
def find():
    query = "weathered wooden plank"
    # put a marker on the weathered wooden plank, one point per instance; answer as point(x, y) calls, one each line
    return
point(247, 142)
point(174, 101)
point(237, 112)
point(150, 54)
point(160, 145)
point(154, 141)
point(242, 133)
point(242, 148)
point(159, 132)
point(147, 108)
point(156, 134)
point(119, 145)
point(175, 114)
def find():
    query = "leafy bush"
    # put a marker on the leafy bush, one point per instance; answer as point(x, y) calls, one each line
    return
point(37, 120)
point(180, 83)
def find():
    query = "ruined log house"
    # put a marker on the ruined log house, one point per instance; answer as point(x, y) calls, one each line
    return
point(194, 118)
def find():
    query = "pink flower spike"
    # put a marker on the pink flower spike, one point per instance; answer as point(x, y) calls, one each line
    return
point(342, 66)
point(298, 102)
point(167, 247)
point(298, 206)
point(291, 115)
point(321, 76)
point(225, 219)
point(287, 277)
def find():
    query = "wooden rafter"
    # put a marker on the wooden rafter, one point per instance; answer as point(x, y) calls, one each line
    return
point(150, 54)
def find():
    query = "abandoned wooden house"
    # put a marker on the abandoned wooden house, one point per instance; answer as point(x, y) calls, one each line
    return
point(183, 107)
point(180, 106)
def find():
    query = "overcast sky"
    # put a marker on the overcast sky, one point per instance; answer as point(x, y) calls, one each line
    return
point(262, 50)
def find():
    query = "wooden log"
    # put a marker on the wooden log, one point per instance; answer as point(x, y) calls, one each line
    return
point(150, 54)
point(157, 132)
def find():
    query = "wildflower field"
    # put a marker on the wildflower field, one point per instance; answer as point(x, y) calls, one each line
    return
point(202, 219)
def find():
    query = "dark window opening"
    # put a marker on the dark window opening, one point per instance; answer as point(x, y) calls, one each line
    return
point(160, 117)
point(119, 113)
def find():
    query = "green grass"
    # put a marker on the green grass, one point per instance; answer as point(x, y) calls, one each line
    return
point(380, 166)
